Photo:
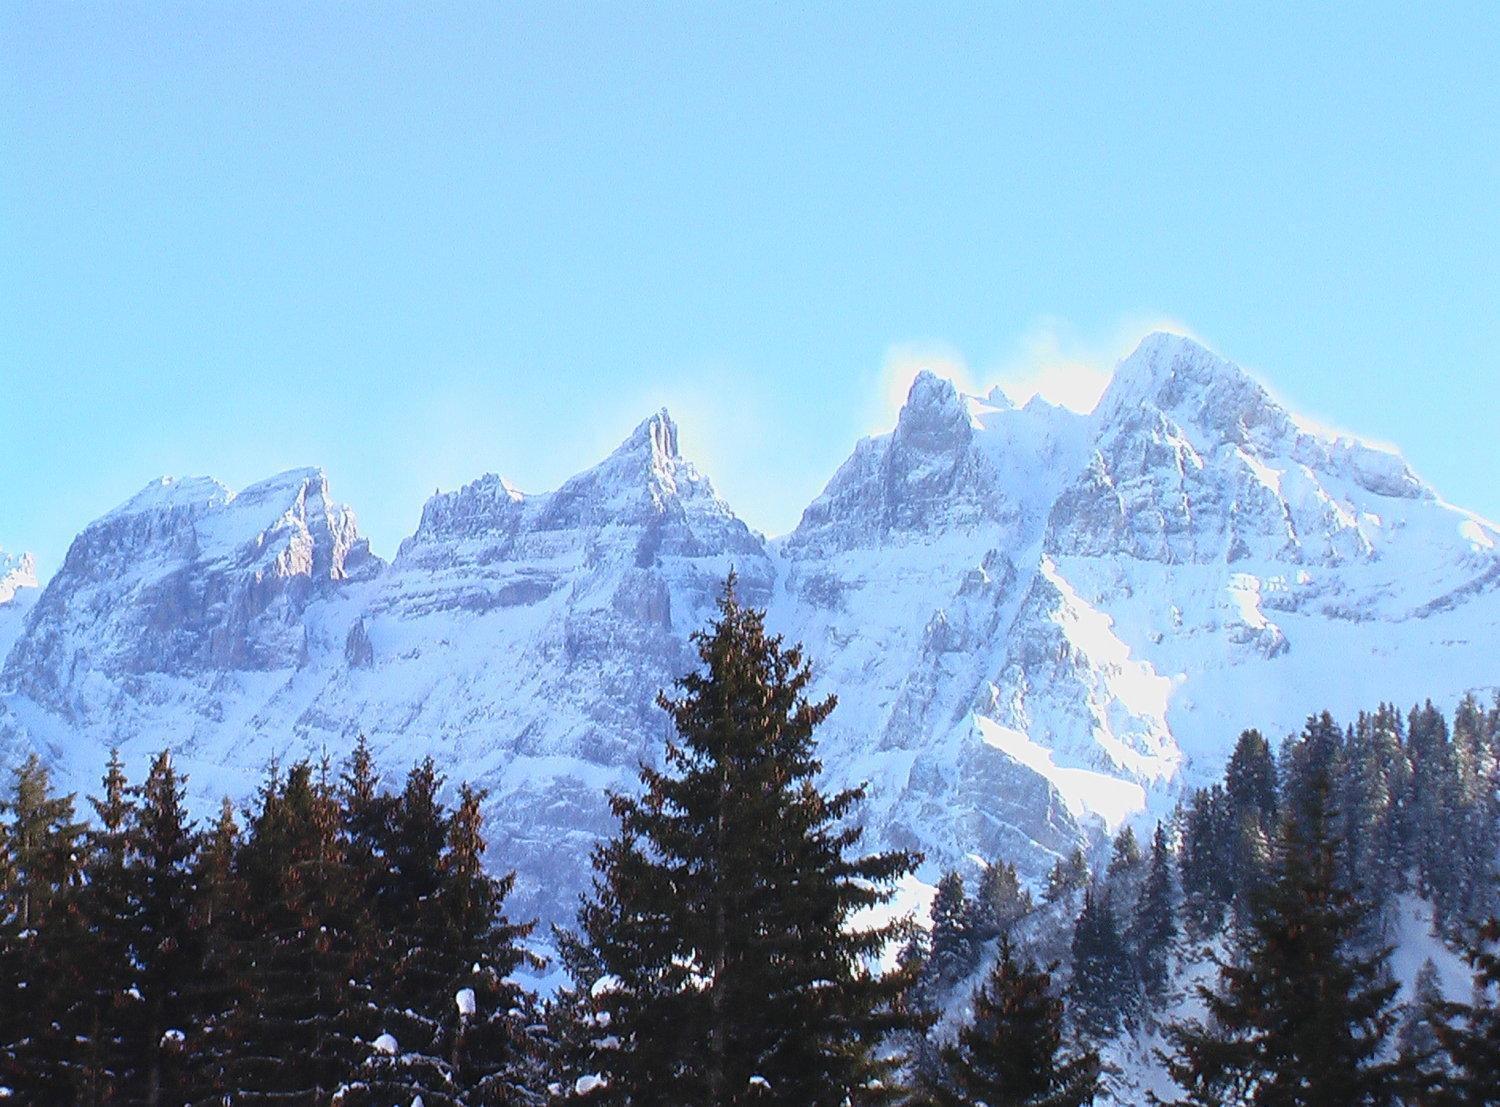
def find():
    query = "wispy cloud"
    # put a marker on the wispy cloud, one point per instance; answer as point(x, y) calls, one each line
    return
point(1063, 365)
point(900, 367)
point(1053, 359)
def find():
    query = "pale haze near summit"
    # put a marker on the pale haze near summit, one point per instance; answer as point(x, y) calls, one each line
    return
point(412, 250)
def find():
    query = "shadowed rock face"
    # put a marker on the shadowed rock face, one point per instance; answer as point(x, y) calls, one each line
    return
point(1035, 621)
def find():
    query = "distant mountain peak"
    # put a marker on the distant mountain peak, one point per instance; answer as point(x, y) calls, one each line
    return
point(658, 434)
point(1173, 371)
point(17, 571)
point(935, 417)
point(169, 493)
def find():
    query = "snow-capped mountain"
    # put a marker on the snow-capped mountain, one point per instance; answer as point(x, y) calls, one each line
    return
point(1037, 622)
point(18, 591)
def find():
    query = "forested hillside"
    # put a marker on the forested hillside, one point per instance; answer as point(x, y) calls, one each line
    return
point(1319, 927)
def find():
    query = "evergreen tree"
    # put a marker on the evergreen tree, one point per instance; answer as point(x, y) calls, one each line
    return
point(1374, 791)
point(218, 911)
point(1153, 924)
point(1470, 1032)
point(1474, 815)
point(1207, 860)
point(168, 942)
point(1103, 986)
point(463, 1026)
point(492, 1040)
point(1417, 1042)
point(1250, 778)
point(40, 935)
point(1434, 827)
point(1010, 1054)
point(304, 1028)
point(1250, 795)
point(1125, 854)
point(106, 998)
point(1302, 1015)
point(724, 960)
point(367, 816)
point(999, 902)
point(953, 949)
point(1068, 875)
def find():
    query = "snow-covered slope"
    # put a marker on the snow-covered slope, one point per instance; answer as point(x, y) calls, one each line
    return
point(1037, 622)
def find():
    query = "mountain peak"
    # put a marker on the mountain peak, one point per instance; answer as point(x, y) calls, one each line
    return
point(17, 571)
point(171, 493)
point(934, 417)
point(658, 434)
point(1177, 374)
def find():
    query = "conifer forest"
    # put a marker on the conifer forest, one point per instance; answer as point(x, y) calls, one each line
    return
point(341, 939)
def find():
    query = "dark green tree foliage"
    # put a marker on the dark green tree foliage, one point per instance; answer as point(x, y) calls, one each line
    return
point(1251, 793)
point(1069, 874)
point(218, 908)
point(999, 901)
point(1125, 853)
point(106, 996)
point(1374, 786)
point(1302, 1015)
point(1434, 795)
point(1102, 988)
point(168, 940)
point(1469, 1033)
point(41, 937)
point(1011, 1053)
point(461, 1024)
point(1418, 1042)
point(1310, 768)
point(143, 963)
point(1474, 816)
point(305, 1024)
point(725, 969)
point(953, 947)
point(1250, 777)
point(1207, 859)
point(1153, 924)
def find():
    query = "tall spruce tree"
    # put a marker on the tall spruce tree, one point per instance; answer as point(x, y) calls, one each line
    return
point(1303, 1014)
point(219, 909)
point(1102, 988)
point(999, 902)
point(461, 1023)
point(1125, 853)
point(727, 967)
point(492, 1036)
point(1153, 923)
point(41, 935)
point(304, 1026)
point(1470, 1032)
point(167, 940)
point(1011, 1053)
point(106, 1002)
point(953, 947)
point(1069, 874)
point(1418, 1042)
point(1207, 860)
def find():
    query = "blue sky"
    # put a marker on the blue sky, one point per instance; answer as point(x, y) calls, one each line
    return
point(416, 243)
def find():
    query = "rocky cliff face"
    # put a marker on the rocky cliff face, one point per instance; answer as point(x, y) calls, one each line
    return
point(1037, 622)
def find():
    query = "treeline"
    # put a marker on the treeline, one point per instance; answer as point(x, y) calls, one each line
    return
point(1294, 868)
point(347, 945)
